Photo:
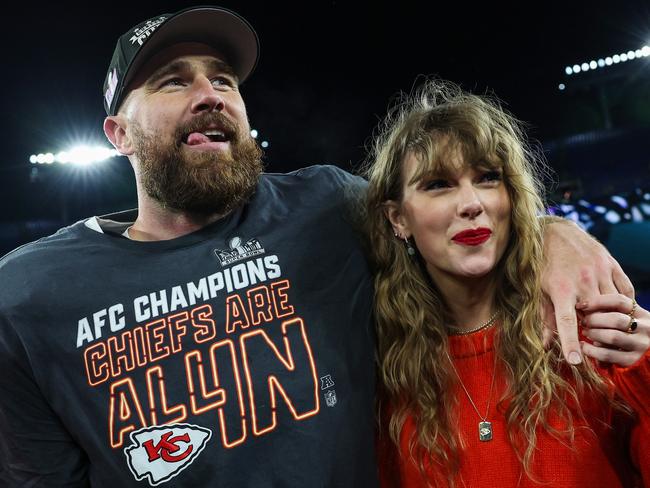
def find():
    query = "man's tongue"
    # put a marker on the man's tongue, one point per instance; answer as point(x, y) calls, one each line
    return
point(197, 138)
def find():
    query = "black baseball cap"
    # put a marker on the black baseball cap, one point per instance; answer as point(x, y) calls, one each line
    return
point(218, 27)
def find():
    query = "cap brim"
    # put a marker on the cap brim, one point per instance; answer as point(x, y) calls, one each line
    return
point(222, 29)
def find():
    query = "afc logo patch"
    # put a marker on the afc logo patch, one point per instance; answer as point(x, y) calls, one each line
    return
point(326, 382)
point(161, 452)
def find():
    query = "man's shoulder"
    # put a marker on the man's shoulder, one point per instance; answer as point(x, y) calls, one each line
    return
point(316, 182)
point(312, 193)
point(324, 174)
point(45, 248)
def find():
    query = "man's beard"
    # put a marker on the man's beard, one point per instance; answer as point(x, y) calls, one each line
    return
point(206, 182)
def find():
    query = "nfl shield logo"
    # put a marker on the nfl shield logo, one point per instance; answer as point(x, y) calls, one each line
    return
point(330, 398)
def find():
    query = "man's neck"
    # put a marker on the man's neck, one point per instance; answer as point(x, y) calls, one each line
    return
point(156, 223)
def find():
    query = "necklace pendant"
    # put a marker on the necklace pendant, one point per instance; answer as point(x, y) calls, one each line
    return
point(485, 431)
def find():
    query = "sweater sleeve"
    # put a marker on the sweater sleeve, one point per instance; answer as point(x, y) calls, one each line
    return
point(633, 385)
point(35, 448)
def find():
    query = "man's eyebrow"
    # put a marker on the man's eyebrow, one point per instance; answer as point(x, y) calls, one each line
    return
point(171, 68)
point(222, 67)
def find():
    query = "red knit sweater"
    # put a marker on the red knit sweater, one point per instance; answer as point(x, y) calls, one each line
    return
point(601, 456)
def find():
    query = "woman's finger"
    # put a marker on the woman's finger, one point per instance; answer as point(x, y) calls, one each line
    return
point(618, 340)
point(606, 320)
point(607, 355)
point(613, 302)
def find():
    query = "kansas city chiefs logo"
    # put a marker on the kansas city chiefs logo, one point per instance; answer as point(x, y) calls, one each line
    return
point(161, 452)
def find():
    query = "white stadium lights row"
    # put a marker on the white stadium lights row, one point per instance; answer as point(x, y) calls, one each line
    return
point(86, 155)
point(80, 155)
point(608, 61)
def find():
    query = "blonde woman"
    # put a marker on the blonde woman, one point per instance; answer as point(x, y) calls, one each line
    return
point(469, 395)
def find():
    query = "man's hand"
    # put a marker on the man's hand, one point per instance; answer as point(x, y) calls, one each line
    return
point(576, 268)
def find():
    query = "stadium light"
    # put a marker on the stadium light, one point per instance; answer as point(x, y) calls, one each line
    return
point(78, 155)
point(608, 61)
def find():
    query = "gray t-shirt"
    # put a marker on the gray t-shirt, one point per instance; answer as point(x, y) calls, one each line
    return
point(240, 355)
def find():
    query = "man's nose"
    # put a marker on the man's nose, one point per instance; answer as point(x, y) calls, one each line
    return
point(206, 98)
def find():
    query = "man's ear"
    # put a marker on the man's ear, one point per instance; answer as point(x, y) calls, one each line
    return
point(393, 212)
point(115, 130)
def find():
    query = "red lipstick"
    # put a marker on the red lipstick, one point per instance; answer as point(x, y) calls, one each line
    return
point(472, 237)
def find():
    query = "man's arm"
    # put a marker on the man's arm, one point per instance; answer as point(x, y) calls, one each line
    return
point(576, 267)
point(35, 448)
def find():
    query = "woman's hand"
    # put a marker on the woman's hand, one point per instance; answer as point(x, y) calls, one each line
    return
point(618, 328)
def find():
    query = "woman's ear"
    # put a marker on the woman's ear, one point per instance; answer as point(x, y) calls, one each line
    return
point(393, 212)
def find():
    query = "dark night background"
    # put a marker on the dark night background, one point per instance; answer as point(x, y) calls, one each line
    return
point(327, 72)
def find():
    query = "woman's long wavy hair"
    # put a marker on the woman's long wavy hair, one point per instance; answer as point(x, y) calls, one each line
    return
point(415, 372)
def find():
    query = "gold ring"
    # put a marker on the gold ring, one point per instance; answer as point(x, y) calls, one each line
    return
point(631, 314)
point(632, 325)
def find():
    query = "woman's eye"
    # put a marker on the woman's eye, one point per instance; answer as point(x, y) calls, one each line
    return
point(435, 184)
point(491, 176)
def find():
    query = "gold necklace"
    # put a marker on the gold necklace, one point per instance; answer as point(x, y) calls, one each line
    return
point(484, 426)
point(484, 325)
